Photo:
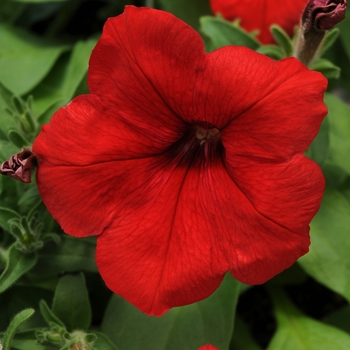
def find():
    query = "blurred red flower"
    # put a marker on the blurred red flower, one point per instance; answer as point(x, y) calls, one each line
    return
point(186, 165)
point(261, 14)
point(208, 347)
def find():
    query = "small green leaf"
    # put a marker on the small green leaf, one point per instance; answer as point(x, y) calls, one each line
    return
point(296, 331)
point(7, 120)
point(272, 51)
point(12, 328)
point(330, 38)
point(339, 131)
point(60, 85)
point(71, 256)
point(48, 315)
point(30, 344)
point(327, 68)
point(26, 340)
point(283, 39)
point(207, 322)
point(29, 198)
point(223, 33)
point(17, 139)
point(17, 265)
point(318, 150)
point(344, 27)
point(328, 260)
point(5, 216)
point(103, 342)
point(71, 302)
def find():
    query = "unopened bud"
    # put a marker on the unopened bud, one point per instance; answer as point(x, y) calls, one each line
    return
point(323, 14)
point(20, 166)
point(318, 17)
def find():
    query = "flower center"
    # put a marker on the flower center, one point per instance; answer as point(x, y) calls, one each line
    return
point(207, 134)
point(199, 143)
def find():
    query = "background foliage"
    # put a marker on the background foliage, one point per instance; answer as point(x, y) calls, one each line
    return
point(51, 294)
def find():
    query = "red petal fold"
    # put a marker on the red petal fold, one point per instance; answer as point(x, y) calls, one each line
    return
point(249, 94)
point(88, 131)
point(197, 224)
point(262, 122)
point(289, 194)
point(146, 62)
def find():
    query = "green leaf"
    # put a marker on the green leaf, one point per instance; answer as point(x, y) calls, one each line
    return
point(272, 51)
point(30, 344)
point(23, 295)
point(185, 328)
point(72, 255)
point(71, 302)
point(7, 121)
point(328, 260)
point(296, 331)
point(329, 40)
point(327, 68)
point(60, 85)
point(29, 198)
point(188, 11)
point(7, 149)
point(48, 315)
point(5, 216)
point(27, 340)
point(17, 139)
point(103, 342)
point(282, 39)
point(344, 27)
point(12, 328)
point(339, 131)
point(340, 319)
point(223, 33)
point(318, 150)
point(25, 59)
point(241, 338)
point(17, 265)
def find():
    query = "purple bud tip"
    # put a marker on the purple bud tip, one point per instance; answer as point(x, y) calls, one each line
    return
point(20, 166)
point(323, 14)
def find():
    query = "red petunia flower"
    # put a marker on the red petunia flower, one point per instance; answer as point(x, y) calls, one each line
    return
point(186, 165)
point(261, 14)
point(208, 347)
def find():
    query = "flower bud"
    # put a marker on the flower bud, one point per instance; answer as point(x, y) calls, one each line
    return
point(318, 17)
point(323, 14)
point(20, 166)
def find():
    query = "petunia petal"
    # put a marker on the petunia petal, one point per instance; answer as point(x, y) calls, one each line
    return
point(153, 255)
point(288, 193)
point(196, 226)
point(208, 347)
point(248, 96)
point(88, 132)
point(101, 194)
point(146, 63)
